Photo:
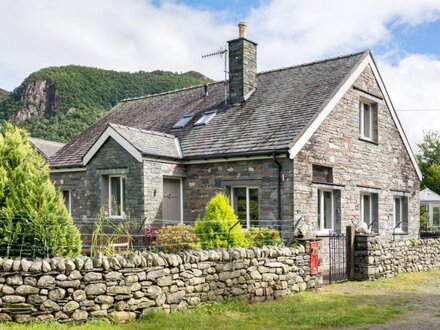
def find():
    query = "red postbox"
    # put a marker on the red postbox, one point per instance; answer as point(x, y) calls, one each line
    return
point(314, 258)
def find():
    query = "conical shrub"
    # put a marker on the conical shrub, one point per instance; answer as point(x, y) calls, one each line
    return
point(34, 221)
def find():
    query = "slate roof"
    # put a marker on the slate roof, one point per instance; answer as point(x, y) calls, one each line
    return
point(150, 143)
point(427, 195)
point(283, 105)
point(45, 147)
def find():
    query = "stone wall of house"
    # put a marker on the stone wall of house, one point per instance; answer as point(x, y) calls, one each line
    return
point(375, 258)
point(76, 183)
point(358, 166)
point(86, 187)
point(123, 287)
point(203, 181)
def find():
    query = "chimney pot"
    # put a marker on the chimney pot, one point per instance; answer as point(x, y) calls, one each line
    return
point(242, 29)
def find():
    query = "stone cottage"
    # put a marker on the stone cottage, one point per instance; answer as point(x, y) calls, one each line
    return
point(319, 142)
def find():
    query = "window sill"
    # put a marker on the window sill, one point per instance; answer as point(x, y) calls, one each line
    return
point(368, 140)
point(400, 233)
point(323, 233)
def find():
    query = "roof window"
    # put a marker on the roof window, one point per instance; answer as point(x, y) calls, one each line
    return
point(183, 121)
point(206, 118)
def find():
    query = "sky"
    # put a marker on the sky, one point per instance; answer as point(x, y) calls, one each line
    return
point(134, 35)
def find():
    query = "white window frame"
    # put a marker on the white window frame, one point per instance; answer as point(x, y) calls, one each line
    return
point(322, 230)
point(116, 216)
point(396, 221)
point(362, 126)
point(370, 206)
point(69, 204)
point(206, 118)
point(431, 207)
point(248, 203)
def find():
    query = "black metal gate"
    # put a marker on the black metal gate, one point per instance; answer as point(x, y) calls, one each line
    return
point(338, 257)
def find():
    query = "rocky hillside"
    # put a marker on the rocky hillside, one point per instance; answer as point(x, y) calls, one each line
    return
point(3, 94)
point(57, 103)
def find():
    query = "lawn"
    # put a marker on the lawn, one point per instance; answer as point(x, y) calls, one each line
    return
point(333, 306)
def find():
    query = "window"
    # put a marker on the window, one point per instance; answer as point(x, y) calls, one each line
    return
point(436, 216)
point(116, 193)
point(322, 174)
point(67, 197)
point(329, 211)
point(245, 204)
point(368, 121)
point(401, 213)
point(206, 118)
point(369, 211)
point(326, 209)
point(183, 121)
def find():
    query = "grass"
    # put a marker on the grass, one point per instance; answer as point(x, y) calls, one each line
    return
point(353, 303)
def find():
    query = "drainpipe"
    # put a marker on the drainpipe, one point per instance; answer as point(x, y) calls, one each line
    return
point(279, 166)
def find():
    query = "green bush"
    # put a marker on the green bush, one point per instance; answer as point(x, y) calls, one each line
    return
point(263, 236)
point(176, 238)
point(34, 221)
point(219, 219)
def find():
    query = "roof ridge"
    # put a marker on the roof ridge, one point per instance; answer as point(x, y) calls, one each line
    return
point(329, 59)
point(170, 92)
point(143, 130)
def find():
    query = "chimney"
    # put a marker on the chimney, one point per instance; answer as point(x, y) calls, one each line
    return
point(242, 66)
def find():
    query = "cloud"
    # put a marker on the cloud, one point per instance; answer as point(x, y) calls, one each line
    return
point(413, 83)
point(133, 35)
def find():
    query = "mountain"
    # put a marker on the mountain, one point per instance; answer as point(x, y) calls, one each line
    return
point(3, 94)
point(57, 103)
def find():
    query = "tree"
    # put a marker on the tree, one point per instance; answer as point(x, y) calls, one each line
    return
point(213, 230)
point(429, 161)
point(34, 221)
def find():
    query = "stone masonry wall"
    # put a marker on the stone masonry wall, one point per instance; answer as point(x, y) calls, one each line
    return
point(359, 166)
point(203, 181)
point(375, 258)
point(123, 287)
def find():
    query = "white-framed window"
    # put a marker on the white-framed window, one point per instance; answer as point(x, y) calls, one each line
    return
point(326, 210)
point(67, 198)
point(435, 211)
point(400, 213)
point(116, 196)
point(205, 119)
point(367, 120)
point(370, 211)
point(244, 201)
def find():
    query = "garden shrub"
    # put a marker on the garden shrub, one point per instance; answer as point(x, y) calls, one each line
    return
point(175, 238)
point(263, 236)
point(219, 219)
point(34, 221)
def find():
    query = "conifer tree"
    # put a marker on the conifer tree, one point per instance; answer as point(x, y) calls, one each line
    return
point(34, 221)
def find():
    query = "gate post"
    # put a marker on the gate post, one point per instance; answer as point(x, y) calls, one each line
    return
point(350, 230)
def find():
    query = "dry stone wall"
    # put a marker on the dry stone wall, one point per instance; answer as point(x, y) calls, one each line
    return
point(375, 258)
point(122, 288)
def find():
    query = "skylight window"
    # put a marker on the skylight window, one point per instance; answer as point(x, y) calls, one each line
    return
point(206, 118)
point(183, 121)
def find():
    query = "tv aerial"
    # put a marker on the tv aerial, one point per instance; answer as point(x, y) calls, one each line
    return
point(222, 54)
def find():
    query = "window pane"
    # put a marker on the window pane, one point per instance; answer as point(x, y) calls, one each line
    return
point(115, 196)
point(240, 203)
point(66, 198)
point(436, 216)
point(253, 206)
point(366, 209)
point(328, 210)
point(366, 121)
point(397, 216)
